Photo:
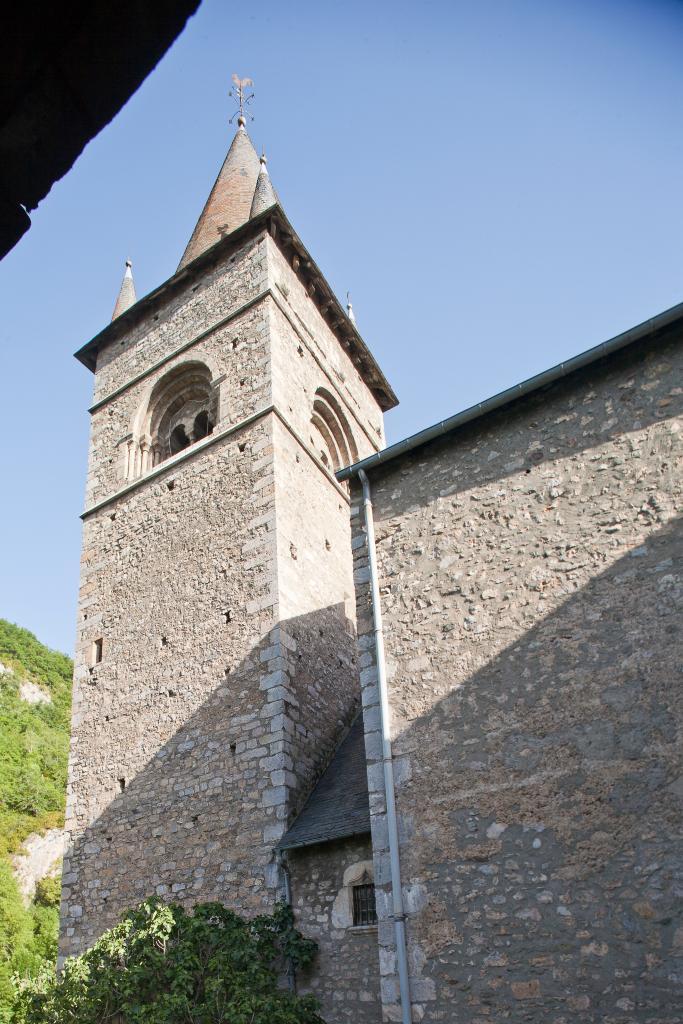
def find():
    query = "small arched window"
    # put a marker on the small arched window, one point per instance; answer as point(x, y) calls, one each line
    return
point(178, 440)
point(332, 436)
point(364, 909)
point(202, 425)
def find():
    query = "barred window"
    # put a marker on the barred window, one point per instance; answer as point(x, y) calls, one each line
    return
point(364, 910)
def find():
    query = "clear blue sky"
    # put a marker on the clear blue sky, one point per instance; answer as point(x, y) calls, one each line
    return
point(498, 183)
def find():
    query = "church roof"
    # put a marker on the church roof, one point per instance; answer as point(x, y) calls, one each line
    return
point(230, 199)
point(339, 805)
point(127, 296)
point(656, 329)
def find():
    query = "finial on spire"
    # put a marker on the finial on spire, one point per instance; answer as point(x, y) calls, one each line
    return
point(265, 195)
point(127, 296)
point(243, 98)
point(349, 308)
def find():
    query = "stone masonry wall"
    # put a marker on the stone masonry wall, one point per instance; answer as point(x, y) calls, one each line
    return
point(171, 734)
point(172, 322)
point(530, 572)
point(346, 974)
point(237, 354)
point(220, 585)
point(315, 589)
point(322, 361)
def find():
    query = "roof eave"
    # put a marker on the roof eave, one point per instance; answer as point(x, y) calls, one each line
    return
point(318, 841)
point(283, 233)
point(87, 354)
point(340, 323)
point(640, 332)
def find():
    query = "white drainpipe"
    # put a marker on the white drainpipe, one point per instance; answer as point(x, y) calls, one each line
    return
point(392, 827)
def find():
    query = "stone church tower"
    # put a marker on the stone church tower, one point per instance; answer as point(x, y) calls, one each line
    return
point(215, 660)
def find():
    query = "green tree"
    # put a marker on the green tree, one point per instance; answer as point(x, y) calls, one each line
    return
point(34, 741)
point(163, 965)
point(28, 935)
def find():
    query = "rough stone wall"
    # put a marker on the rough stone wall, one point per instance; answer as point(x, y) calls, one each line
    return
point(530, 571)
point(228, 667)
point(346, 974)
point(321, 362)
point(177, 320)
point(174, 712)
point(315, 590)
point(237, 354)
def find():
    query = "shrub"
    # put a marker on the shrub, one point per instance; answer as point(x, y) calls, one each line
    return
point(163, 965)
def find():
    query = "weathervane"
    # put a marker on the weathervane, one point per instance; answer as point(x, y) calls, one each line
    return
point(240, 86)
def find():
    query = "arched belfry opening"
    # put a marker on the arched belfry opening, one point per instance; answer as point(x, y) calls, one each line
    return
point(181, 410)
point(332, 437)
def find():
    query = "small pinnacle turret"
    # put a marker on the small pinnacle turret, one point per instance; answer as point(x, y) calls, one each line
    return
point(264, 193)
point(349, 308)
point(127, 296)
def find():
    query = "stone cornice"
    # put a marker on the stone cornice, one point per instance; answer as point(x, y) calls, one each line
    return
point(276, 223)
point(206, 442)
point(266, 293)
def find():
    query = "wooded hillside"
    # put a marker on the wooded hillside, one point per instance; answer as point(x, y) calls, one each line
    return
point(35, 701)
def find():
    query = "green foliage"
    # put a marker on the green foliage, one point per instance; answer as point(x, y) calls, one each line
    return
point(160, 965)
point(34, 738)
point(34, 743)
point(28, 937)
point(48, 893)
point(163, 965)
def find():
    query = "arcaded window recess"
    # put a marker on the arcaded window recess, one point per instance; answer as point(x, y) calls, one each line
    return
point(182, 409)
point(333, 439)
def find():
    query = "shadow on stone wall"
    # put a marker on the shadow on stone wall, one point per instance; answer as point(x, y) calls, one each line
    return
point(200, 820)
point(541, 803)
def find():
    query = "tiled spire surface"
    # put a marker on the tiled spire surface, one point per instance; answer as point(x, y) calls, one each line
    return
point(127, 296)
point(264, 193)
point(229, 203)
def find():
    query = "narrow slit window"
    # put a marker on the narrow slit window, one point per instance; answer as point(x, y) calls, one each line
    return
point(364, 909)
point(97, 649)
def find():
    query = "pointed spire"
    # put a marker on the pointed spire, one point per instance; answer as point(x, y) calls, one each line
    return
point(349, 308)
point(265, 195)
point(229, 203)
point(127, 296)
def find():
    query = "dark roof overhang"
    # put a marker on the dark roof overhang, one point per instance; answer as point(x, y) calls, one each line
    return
point(67, 69)
point(339, 806)
point(276, 223)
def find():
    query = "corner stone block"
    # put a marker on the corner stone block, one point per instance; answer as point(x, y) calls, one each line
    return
point(274, 795)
